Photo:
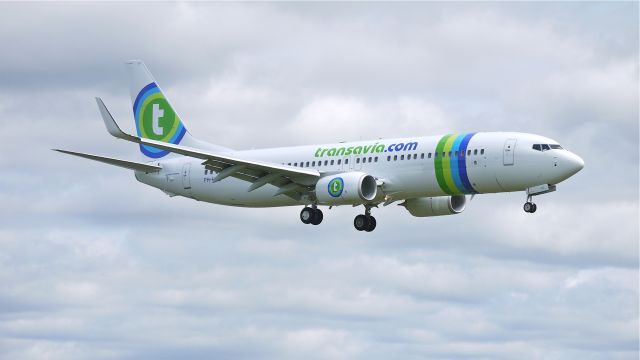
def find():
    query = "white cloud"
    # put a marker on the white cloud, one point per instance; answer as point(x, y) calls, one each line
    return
point(95, 265)
point(340, 118)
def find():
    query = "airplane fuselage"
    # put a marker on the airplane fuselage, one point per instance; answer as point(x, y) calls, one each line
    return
point(474, 163)
point(429, 176)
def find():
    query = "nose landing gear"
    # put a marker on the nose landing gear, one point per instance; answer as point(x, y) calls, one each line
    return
point(530, 207)
point(311, 215)
point(365, 222)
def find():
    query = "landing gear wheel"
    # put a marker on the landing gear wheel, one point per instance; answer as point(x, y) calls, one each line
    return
point(530, 207)
point(317, 217)
point(360, 222)
point(307, 215)
point(372, 224)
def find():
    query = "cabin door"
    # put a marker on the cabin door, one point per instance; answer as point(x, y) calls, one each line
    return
point(186, 176)
point(509, 149)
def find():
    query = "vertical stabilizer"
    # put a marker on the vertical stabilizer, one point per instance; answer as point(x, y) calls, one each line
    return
point(155, 118)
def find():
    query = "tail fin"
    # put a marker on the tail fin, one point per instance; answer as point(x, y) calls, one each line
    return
point(155, 118)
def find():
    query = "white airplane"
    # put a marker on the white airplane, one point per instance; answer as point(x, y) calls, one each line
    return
point(430, 175)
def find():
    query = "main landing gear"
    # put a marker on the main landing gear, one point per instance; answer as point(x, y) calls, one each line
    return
point(365, 222)
point(311, 215)
point(530, 206)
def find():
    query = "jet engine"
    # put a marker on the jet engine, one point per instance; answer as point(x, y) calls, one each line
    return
point(346, 188)
point(436, 206)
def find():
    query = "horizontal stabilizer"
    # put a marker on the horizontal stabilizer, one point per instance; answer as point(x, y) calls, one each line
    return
point(117, 162)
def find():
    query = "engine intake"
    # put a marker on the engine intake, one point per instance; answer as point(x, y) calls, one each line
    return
point(346, 188)
point(436, 206)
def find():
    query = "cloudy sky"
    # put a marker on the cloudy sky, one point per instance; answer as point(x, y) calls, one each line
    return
point(94, 265)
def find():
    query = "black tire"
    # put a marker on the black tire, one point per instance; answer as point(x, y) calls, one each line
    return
point(360, 222)
point(307, 215)
point(317, 217)
point(372, 224)
point(527, 207)
point(534, 208)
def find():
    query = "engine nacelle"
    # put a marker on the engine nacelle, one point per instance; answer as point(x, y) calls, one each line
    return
point(346, 188)
point(436, 206)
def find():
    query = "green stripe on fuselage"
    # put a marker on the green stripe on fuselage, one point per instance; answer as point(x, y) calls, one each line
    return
point(438, 165)
point(446, 165)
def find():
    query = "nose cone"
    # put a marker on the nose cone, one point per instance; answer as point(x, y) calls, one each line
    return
point(574, 163)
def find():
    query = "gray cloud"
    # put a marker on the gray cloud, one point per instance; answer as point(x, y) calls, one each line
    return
point(96, 265)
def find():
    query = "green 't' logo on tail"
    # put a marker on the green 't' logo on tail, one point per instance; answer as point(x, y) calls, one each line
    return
point(156, 120)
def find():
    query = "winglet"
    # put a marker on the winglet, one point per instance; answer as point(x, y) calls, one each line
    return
point(112, 126)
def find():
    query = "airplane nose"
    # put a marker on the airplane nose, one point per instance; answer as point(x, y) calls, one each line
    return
point(574, 163)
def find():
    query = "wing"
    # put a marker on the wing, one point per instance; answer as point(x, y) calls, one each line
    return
point(112, 161)
point(291, 181)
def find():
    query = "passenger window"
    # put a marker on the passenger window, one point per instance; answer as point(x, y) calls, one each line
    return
point(289, 164)
point(346, 161)
point(339, 161)
point(401, 157)
point(545, 147)
point(357, 160)
point(443, 154)
point(326, 162)
point(415, 156)
point(395, 157)
point(469, 152)
point(375, 159)
point(331, 162)
point(389, 158)
point(369, 158)
point(307, 164)
point(422, 156)
point(481, 151)
point(537, 147)
point(429, 155)
point(449, 153)
point(313, 163)
point(475, 151)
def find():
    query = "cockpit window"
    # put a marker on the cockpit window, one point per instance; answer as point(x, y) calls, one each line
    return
point(545, 147)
